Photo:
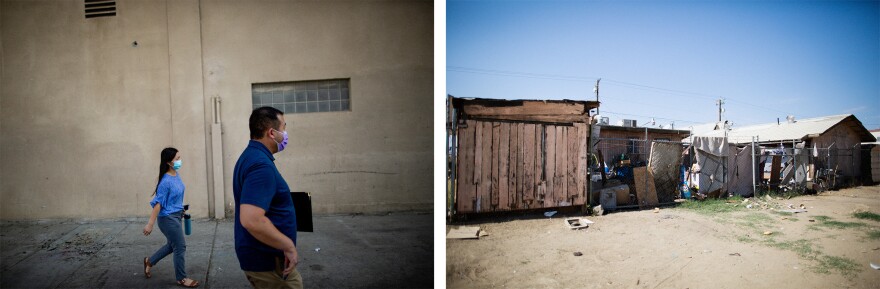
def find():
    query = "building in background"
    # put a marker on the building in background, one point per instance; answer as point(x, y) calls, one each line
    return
point(93, 90)
point(834, 141)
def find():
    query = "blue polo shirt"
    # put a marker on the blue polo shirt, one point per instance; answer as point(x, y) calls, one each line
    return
point(256, 181)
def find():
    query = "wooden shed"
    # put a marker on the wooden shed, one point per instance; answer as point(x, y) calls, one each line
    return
point(519, 154)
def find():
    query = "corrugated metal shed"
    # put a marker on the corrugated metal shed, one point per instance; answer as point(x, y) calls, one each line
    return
point(799, 130)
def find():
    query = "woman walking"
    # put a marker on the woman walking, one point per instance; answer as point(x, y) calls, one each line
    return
point(168, 210)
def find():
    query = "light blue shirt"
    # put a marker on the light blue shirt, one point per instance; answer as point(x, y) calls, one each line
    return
point(169, 194)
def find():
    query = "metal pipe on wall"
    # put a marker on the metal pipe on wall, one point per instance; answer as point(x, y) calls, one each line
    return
point(754, 188)
point(217, 158)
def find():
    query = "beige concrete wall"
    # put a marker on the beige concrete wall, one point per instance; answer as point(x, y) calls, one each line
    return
point(377, 157)
point(84, 115)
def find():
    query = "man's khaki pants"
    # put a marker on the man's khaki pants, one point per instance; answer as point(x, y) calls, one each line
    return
point(273, 279)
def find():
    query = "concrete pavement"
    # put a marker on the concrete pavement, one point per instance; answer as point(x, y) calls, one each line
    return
point(346, 251)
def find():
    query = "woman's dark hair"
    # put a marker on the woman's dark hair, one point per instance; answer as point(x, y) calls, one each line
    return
point(166, 157)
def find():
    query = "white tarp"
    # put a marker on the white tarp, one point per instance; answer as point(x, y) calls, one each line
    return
point(740, 172)
point(712, 145)
point(710, 153)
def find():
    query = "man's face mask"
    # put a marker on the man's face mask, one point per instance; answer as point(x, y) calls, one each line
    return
point(283, 143)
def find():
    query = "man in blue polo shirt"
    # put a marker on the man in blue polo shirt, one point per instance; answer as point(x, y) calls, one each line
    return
point(265, 222)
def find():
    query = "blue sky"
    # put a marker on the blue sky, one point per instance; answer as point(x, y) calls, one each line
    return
point(671, 59)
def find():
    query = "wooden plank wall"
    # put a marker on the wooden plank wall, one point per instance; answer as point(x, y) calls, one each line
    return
point(505, 166)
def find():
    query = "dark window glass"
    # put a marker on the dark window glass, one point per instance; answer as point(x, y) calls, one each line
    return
point(303, 96)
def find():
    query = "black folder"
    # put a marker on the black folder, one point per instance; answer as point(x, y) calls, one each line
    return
point(302, 204)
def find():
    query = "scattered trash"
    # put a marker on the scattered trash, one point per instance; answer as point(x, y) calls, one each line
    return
point(875, 267)
point(785, 218)
point(577, 223)
point(656, 210)
point(749, 206)
point(803, 207)
point(597, 210)
point(318, 249)
point(793, 211)
point(578, 254)
point(735, 254)
point(464, 233)
point(550, 214)
point(768, 233)
point(811, 220)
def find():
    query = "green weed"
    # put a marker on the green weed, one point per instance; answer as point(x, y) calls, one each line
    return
point(867, 216)
point(745, 239)
point(712, 206)
point(847, 267)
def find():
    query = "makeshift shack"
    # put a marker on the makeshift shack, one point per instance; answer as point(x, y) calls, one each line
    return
point(810, 153)
point(519, 154)
point(627, 154)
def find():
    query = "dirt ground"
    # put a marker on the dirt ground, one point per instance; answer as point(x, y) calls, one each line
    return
point(679, 247)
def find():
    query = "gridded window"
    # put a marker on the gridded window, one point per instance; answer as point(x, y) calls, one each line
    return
point(303, 96)
point(632, 147)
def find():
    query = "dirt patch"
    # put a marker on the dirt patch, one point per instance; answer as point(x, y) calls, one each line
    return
point(724, 246)
point(84, 243)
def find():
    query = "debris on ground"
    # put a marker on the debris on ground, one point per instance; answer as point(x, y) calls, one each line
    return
point(549, 214)
point(656, 210)
point(318, 249)
point(769, 203)
point(465, 233)
point(768, 233)
point(597, 210)
point(577, 223)
point(794, 211)
point(578, 254)
point(875, 267)
point(734, 254)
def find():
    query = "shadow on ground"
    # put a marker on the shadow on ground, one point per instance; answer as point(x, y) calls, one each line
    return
point(346, 251)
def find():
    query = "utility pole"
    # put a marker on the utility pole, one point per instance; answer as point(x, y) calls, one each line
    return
point(720, 103)
point(596, 90)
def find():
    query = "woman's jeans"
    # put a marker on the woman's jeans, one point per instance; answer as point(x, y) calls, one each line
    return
point(173, 230)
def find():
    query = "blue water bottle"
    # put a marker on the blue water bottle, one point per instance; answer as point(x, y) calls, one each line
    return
point(187, 224)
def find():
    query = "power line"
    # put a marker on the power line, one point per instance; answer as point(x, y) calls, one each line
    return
point(639, 115)
point(591, 79)
point(517, 73)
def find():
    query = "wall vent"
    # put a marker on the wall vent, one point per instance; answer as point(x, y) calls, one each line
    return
point(100, 8)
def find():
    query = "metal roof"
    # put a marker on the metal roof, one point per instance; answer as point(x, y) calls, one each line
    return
point(800, 129)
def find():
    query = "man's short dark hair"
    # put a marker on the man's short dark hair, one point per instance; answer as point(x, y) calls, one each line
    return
point(263, 119)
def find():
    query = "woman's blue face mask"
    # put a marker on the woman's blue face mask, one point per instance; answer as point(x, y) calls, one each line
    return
point(177, 164)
